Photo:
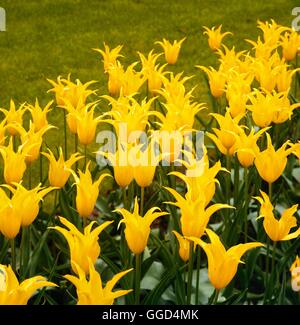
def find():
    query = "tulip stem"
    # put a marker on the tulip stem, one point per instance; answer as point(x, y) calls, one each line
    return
point(270, 192)
point(296, 81)
point(190, 275)
point(85, 155)
point(76, 150)
point(198, 265)
point(13, 254)
point(273, 256)
point(65, 134)
point(41, 166)
point(267, 261)
point(124, 198)
point(138, 262)
point(142, 201)
point(84, 222)
point(246, 202)
point(216, 296)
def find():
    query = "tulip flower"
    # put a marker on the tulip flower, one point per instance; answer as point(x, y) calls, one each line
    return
point(184, 246)
point(230, 60)
point(194, 216)
point(3, 128)
point(246, 146)
point(225, 136)
point(91, 292)
point(290, 43)
point(32, 141)
point(66, 90)
point(295, 274)
point(266, 74)
point(14, 163)
point(84, 247)
point(216, 80)
point(283, 110)
point(271, 163)
point(137, 228)
point(222, 264)
point(10, 217)
point(59, 170)
point(123, 171)
point(87, 125)
point(26, 202)
point(115, 79)
point(87, 191)
point(277, 230)
point(171, 50)
point(215, 37)
point(14, 116)
point(271, 31)
point(14, 293)
point(199, 178)
point(284, 78)
point(109, 56)
point(263, 50)
point(39, 115)
point(295, 149)
point(149, 62)
point(144, 163)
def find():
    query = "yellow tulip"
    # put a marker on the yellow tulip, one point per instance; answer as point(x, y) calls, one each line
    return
point(87, 125)
point(277, 230)
point(132, 80)
point(290, 43)
point(14, 116)
point(123, 171)
point(10, 217)
point(216, 80)
point(14, 163)
point(271, 163)
point(295, 274)
point(3, 128)
point(144, 164)
point(66, 90)
point(230, 60)
point(283, 110)
point(261, 108)
point(59, 170)
point(225, 136)
point(263, 50)
point(87, 191)
point(137, 228)
point(84, 247)
point(184, 246)
point(26, 202)
point(222, 264)
point(194, 216)
point(91, 292)
point(266, 74)
point(200, 179)
point(129, 123)
point(109, 56)
point(271, 31)
point(284, 78)
point(39, 115)
point(115, 78)
point(215, 36)
point(171, 50)
point(14, 293)
point(295, 149)
point(32, 141)
point(149, 62)
point(246, 146)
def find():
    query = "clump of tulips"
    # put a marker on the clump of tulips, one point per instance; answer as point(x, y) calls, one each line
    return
point(152, 194)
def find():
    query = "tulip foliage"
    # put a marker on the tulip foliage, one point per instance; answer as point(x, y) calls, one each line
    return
point(183, 203)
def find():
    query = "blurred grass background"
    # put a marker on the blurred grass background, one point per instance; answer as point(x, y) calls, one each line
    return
point(48, 38)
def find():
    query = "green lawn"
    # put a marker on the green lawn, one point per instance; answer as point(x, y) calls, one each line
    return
point(48, 38)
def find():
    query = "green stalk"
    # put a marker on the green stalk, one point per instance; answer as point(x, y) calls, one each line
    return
point(236, 180)
point(65, 134)
point(246, 196)
point(198, 265)
point(76, 150)
point(137, 279)
point(142, 201)
point(41, 166)
point(13, 255)
point(124, 198)
point(190, 275)
point(267, 261)
point(296, 81)
point(273, 257)
point(216, 296)
point(85, 156)
point(270, 191)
